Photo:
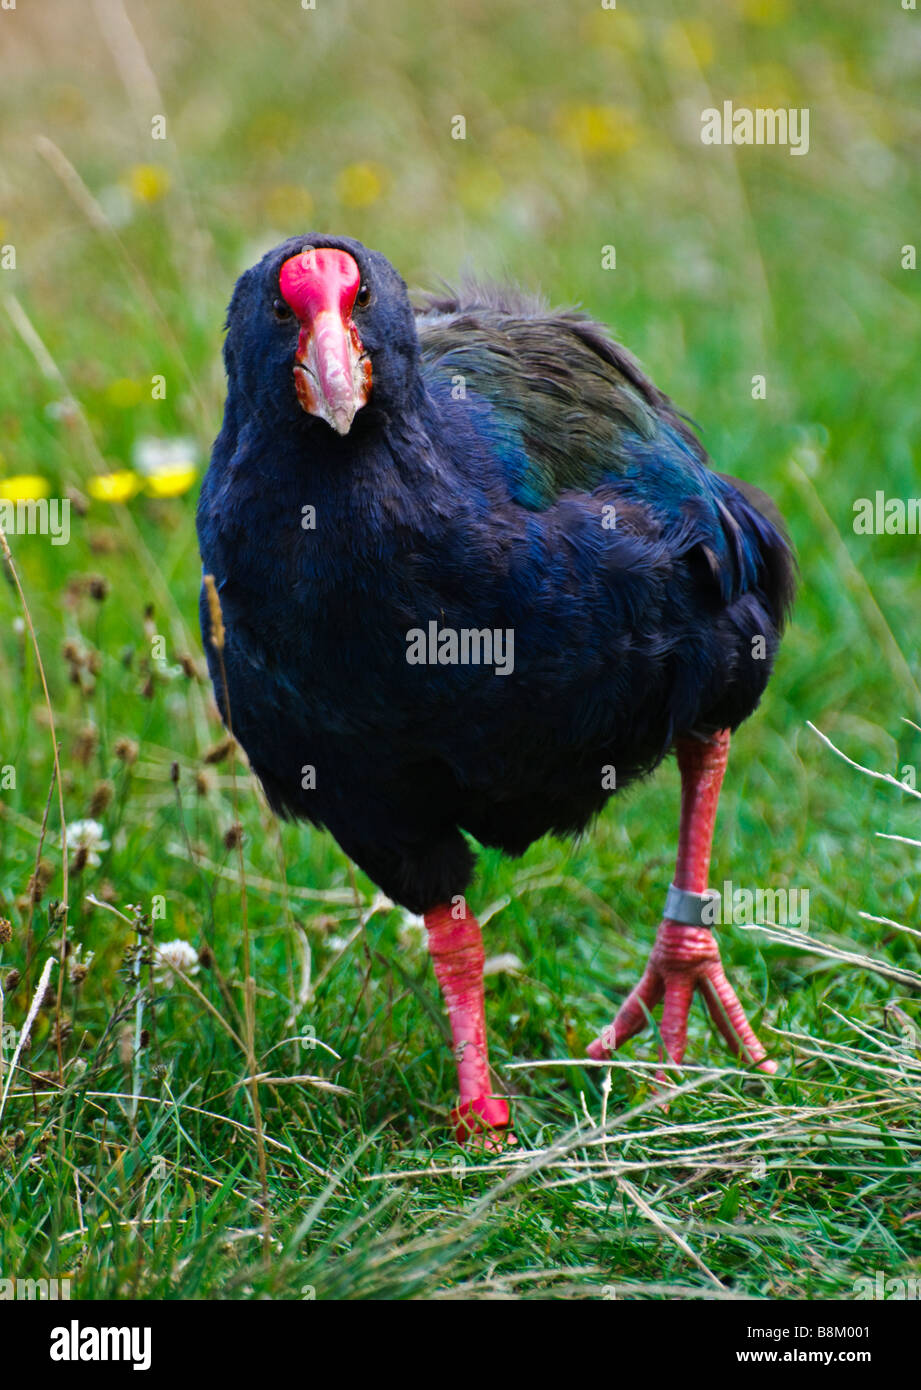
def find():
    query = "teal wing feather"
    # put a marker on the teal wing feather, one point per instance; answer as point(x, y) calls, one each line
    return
point(572, 400)
point(567, 410)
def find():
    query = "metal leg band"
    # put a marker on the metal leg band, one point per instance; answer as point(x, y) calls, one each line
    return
point(691, 909)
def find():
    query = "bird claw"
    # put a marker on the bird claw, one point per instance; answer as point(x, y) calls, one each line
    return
point(493, 1141)
point(483, 1123)
point(684, 959)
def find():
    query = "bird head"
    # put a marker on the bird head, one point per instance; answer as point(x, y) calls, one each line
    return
point(322, 326)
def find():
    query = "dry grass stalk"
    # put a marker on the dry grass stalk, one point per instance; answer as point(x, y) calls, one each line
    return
point(217, 638)
point(4, 543)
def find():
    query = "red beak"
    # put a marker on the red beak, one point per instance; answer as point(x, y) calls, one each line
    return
point(332, 371)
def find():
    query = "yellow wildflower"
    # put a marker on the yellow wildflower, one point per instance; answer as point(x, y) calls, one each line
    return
point(24, 486)
point(766, 12)
point(597, 130)
point(124, 393)
point(148, 182)
point(172, 482)
point(360, 185)
point(119, 486)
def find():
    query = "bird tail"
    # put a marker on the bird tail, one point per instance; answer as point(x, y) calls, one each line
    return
point(761, 543)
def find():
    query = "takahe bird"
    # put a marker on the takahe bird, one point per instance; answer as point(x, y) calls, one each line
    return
point(475, 572)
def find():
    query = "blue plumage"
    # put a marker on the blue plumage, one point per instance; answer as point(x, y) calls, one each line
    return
point(513, 470)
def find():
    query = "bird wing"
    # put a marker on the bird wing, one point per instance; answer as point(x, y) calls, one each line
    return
point(568, 410)
point(563, 393)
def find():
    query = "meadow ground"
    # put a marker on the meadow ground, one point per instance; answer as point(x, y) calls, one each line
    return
point(137, 1155)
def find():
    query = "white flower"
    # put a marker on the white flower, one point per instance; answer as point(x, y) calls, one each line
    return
point(87, 835)
point(505, 964)
point(175, 955)
point(152, 455)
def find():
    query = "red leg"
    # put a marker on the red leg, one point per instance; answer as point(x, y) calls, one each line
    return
point(685, 956)
point(456, 947)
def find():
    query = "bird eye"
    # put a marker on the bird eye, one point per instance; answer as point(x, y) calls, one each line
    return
point(281, 311)
point(363, 297)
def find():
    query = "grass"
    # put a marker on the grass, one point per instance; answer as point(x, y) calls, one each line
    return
point(136, 1170)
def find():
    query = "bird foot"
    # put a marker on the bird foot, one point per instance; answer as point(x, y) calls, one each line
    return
point(683, 959)
point(483, 1123)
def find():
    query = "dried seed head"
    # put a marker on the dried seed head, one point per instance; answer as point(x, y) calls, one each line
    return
point(38, 882)
point(102, 542)
point(6, 931)
point(189, 668)
point(126, 750)
point(78, 502)
point(11, 981)
point(101, 797)
point(206, 957)
point(234, 836)
point(219, 751)
point(97, 586)
point(78, 965)
point(85, 743)
point(204, 783)
point(57, 911)
point(215, 616)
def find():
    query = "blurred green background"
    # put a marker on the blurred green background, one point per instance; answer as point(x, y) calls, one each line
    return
point(582, 132)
